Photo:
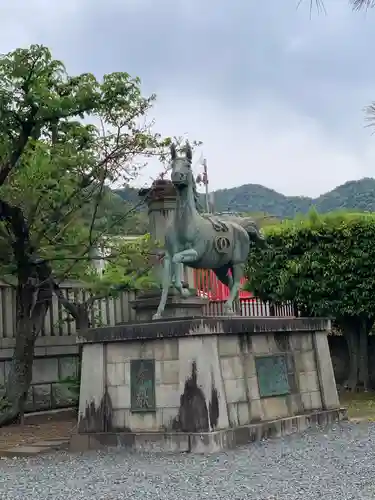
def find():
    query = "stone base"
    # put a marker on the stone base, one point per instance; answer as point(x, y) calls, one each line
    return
point(206, 442)
point(176, 306)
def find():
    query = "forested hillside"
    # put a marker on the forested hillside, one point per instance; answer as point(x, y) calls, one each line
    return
point(254, 198)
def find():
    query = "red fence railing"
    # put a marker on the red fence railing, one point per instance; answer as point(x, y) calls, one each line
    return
point(208, 286)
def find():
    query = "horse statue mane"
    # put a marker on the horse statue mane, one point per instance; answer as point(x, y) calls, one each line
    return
point(196, 196)
point(198, 205)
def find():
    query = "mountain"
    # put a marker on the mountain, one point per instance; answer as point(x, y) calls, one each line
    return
point(254, 198)
point(128, 194)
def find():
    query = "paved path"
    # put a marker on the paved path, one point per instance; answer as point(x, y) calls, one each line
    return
point(338, 463)
point(40, 433)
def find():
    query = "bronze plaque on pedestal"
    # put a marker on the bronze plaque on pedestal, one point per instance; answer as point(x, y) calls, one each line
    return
point(142, 382)
point(272, 374)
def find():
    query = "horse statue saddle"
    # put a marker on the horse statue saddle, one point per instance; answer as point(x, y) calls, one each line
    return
point(218, 224)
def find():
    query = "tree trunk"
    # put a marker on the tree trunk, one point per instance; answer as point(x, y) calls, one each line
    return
point(364, 376)
point(12, 404)
point(355, 331)
point(351, 336)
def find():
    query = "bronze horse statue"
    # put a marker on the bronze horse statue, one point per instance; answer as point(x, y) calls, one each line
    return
point(203, 241)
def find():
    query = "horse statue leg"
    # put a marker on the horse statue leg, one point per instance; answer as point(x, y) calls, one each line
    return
point(167, 280)
point(177, 268)
point(238, 271)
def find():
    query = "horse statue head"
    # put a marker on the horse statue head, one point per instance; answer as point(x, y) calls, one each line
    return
point(182, 175)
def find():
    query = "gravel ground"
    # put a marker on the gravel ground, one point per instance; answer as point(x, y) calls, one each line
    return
point(333, 464)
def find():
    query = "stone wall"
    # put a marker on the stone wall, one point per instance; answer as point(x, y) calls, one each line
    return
point(238, 373)
point(167, 383)
point(56, 360)
point(237, 358)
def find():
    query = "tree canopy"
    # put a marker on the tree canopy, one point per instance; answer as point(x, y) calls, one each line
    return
point(324, 263)
point(63, 140)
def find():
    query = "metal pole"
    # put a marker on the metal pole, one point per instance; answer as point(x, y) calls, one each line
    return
point(205, 180)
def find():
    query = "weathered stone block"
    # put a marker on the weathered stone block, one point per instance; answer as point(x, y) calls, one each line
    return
point(118, 419)
point(200, 365)
point(168, 395)
point(6, 353)
point(115, 374)
point(308, 361)
point(298, 364)
point(306, 342)
point(147, 350)
point(235, 391)
point(168, 417)
point(7, 368)
point(294, 404)
point(170, 372)
point(243, 413)
point(63, 396)
point(233, 414)
point(256, 410)
point(253, 388)
point(120, 397)
point(120, 353)
point(231, 367)
point(275, 408)
point(295, 341)
point(45, 370)
point(228, 345)
point(326, 376)
point(316, 400)
point(249, 366)
point(68, 367)
point(158, 372)
point(2, 373)
point(29, 403)
point(312, 381)
point(166, 350)
point(127, 370)
point(308, 382)
point(260, 344)
point(272, 345)
point(144, 421)
point(92, 388)
point(61, 350)
point(42, 396)
point(306, 401)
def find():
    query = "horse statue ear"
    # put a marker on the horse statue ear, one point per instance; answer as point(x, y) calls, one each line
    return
point(188, 152)
point(173, 152)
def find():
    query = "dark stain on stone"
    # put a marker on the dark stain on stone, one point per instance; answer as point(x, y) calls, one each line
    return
point(97, 419)
point(193, 413)
point(294, 404)
point(245, 342)
point(292, 383)
point(214, 408)
point(282, 341)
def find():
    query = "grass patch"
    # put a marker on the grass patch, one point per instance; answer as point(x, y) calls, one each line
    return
point(360, 405)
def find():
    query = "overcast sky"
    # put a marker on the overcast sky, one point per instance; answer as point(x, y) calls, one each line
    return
point(276, 97)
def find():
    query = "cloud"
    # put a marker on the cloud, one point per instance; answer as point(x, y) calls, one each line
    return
point(276, 97)
point(269, 144)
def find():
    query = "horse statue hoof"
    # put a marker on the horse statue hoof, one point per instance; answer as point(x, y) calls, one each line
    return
point(156, 316)
point(185, 292)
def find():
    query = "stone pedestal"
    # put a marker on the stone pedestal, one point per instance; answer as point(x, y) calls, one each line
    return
point(176, 307)
point(204, 384)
